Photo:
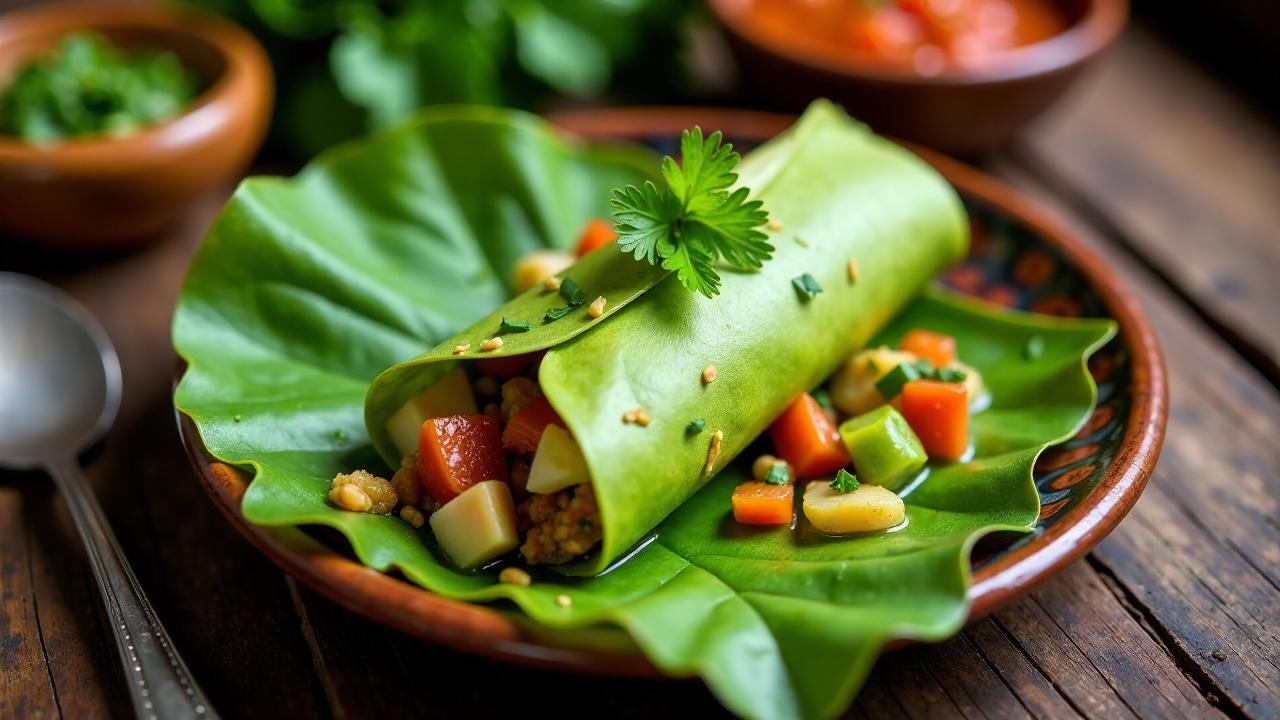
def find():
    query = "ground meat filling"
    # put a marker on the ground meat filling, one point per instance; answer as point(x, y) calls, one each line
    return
point(560, 526)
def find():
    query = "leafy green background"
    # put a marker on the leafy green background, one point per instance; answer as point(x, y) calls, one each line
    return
point(300, 295)
point(346, 67)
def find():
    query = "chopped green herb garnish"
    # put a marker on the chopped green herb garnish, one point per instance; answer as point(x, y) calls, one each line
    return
point(236, 418)
point(586, 523)
point(890, 386)
point(778, 474)
point(802, 242)
point(807, 286)
point(571, 292)
point(556, 313)
point(1034, 348)
point(823, 398)
point(514, 326)
point(91, 86)
point(695, 220)
point(340, 434)
point(845, 482)
point(695, 426)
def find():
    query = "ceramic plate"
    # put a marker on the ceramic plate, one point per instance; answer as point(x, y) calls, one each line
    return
point(1019, 258)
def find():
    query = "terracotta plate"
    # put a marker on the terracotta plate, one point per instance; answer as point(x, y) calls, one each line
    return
point(1020, 258)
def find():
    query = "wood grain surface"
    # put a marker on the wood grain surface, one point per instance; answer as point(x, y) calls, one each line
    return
point(1177, 614)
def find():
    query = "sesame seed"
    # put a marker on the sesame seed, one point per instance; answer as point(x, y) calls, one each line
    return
point(596, 309)
point(642, 418)
point(802, 242)
point(853, 270)
point(351, 497)
point(629, 416)
point(774, 225)
point(708, 374)
point(713, 452)
point(552, 283)
point(492, 343)
point(411, 515)
point(459, 349)
point(514, 576)
point(564, 601)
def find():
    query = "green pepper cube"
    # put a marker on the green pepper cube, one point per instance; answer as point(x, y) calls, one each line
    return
point(885, 451)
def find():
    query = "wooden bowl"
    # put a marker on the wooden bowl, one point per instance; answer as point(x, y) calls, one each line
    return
point(1086, 486)
point(99, 191)
point(957, 111)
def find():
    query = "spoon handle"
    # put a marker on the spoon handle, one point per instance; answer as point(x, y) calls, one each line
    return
point(159, 682)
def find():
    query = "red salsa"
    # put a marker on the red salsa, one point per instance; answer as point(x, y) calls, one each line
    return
point(927, 36)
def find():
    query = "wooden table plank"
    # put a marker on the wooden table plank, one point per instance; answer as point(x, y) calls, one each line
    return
point(1199, 556)
point(26, 687)
point(1187, 172)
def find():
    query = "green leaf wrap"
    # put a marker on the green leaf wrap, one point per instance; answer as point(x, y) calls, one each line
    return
point(840, 192)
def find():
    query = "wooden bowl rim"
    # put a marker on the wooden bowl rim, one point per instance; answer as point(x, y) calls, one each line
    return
point(485, 631)
point(246, 79)
point(1100, 24)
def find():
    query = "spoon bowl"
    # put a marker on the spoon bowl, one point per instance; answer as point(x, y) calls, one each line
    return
point(59, 377)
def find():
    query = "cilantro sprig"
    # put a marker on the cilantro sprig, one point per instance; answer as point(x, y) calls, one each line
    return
point(695, 220)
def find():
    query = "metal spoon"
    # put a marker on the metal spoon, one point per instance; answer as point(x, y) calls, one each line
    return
point(59, 392)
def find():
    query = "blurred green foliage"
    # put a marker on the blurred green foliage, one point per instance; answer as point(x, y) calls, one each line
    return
point(345, 67)
point(90, 87)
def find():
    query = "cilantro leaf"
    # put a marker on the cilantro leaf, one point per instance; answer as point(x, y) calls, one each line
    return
point(845, 482)
point(696, 220)
point(778, 475)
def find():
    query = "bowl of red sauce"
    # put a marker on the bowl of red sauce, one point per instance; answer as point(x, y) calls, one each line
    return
point(957, 75)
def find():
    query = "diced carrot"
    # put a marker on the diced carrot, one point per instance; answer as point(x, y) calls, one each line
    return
point(938, 412)
point(935, 347)
point(595, 235)
point(524, 429)
point(458, 451)
point(804, 436)
point(757, 503)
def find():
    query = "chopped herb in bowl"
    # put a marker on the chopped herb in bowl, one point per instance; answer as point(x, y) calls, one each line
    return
point(91, 87)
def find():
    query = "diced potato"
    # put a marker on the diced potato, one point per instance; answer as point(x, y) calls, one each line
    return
point(866, 509)
point(449, 395)
point(853, 389)
point(558, 463)
point(478, 525)
point(535, 267)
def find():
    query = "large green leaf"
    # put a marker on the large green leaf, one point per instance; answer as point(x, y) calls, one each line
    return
point(305, 289)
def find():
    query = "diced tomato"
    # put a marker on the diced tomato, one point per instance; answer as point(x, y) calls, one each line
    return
point(524, 429)
point(935, 347)
point(804, 436)
point(938, 412)
point(595, 235)
point(503, 367)
point(757, 503)
point(458, 451)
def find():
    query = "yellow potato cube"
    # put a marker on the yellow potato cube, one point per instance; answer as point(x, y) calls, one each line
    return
point(866, 509)
point(478, 525)
point(558, 463)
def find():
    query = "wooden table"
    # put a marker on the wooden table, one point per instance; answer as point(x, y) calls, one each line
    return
point(1167, 174)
